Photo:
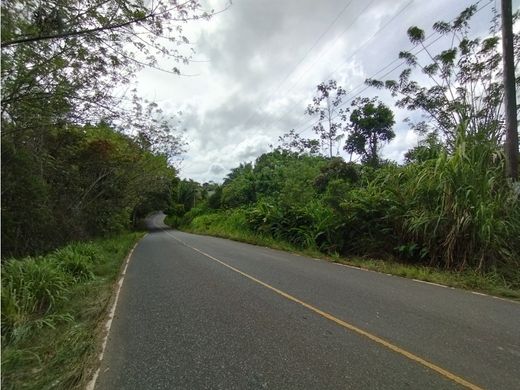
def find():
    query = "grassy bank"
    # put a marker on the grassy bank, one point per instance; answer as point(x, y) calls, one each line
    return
point(53, 311)
point(232, 224)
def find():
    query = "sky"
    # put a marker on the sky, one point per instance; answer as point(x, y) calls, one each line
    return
point(262, 59)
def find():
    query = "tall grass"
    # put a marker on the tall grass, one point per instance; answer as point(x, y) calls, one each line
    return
point(51, 311)
point(455, 212)
point(461, 209)
point(234, 224)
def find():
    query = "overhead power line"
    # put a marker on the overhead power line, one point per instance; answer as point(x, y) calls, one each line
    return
point(377, 74)
point(398, 13)
point(316, 42)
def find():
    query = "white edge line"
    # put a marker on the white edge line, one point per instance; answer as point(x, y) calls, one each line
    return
point(377, 272)
point(435, 284)
point(425, 282)
point(92, 383)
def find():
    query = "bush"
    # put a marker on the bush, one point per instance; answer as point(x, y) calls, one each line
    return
point(312, 225)
point(370, 218)
point(51, 312)
point(88, 250)
point(30, 287)
point(462, 211)
point(73, 263)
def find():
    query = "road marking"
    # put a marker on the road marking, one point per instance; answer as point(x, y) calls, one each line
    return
point(433, 283)
point(92, 383)
point(447, 374)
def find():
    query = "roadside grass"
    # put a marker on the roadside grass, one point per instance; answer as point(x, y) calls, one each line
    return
point(493, 283)
point(53, 312)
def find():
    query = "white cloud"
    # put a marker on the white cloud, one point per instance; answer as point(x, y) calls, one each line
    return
point(252, 91)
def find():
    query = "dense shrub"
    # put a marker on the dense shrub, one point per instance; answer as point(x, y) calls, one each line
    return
point(30, 288)
point(455, 211)
point(73, 263)
point(88, 181)
point(51, 311)
point(461, 210)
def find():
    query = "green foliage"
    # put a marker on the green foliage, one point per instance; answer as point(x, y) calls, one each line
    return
point(286, 176)
point(369, 216)
point(336, 169)
point(429, 148)
point(93, 181)
point(239, 188)
point(30, 288)
point(51, 311)
point(78, 266)
point(188, 193)
point(292, 142)
point(449, 207)
point(466, 80)
point(63, 64)
point(232, 222)
point(215, 199)
point(370, 125)
point(461, 209)
point(454, 211)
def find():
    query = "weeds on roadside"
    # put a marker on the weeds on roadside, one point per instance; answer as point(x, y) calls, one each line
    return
point(51, 311)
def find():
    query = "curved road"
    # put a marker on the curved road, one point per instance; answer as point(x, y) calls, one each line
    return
point(199, 312)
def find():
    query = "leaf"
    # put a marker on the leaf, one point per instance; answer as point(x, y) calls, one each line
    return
point(409, 57)
point(415, 34)
point(442, 27)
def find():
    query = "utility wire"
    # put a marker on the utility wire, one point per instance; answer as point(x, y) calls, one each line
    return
point(357, 50)
point(255, 113)
point(396, 15)
point(389, 72)
point(318, 58)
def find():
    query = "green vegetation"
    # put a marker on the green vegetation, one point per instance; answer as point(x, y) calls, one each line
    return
point(80, 156)
point(93, 181)
point(224, 224)
point(53, 312)
point(448, 214)
point(83, 156)
point(354, 214)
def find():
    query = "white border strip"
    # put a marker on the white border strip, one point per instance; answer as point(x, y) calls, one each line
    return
point(92, 383)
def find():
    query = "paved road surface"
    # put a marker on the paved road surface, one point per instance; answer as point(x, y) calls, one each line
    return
point(200, 312)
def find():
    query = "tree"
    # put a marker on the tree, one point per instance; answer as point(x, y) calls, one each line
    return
point(370, 126)
point(325, 105)
point(239, 186)
point(215, 198)
point(188, 192)
point(286, 176)
point(292, 142)
point(60, 66)
point(62, 60)
point(428, 149)
point(336, 169)
point(92, 180)
point(465, 82)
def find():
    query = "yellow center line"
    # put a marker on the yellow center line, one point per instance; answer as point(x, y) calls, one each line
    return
point(445, 373)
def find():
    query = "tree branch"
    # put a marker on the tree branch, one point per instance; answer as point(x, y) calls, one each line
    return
point(74, 33)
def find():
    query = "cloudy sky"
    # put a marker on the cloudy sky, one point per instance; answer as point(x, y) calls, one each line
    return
point(264, 58)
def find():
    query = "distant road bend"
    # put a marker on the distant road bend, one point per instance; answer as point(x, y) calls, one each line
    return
point(199, 312)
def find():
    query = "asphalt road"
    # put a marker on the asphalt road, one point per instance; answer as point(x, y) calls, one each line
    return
point(200, 312)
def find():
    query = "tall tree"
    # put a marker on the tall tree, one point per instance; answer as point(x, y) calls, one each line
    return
point(464, 89)
point(370, 126)
point(325, 105)
point(66, 65)
point(61, 62)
